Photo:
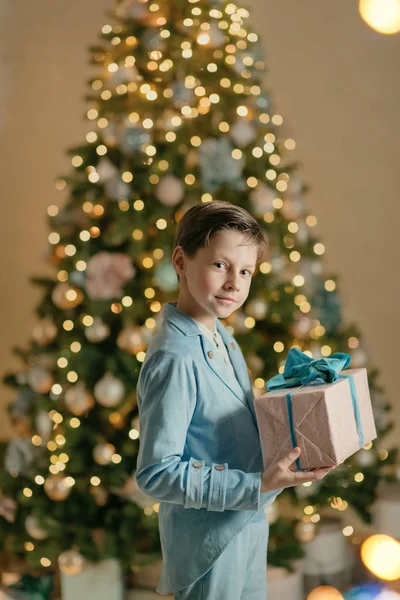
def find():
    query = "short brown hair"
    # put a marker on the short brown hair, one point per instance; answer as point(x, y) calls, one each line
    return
point(203, 220)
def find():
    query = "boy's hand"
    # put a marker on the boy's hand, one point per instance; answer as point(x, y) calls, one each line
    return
point(280, 476)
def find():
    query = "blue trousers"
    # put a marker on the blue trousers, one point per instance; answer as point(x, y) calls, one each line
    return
point(240, 572)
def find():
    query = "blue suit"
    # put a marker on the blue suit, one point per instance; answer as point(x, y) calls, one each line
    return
point(199, 452)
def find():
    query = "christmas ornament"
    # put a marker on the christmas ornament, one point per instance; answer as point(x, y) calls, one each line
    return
point(261, 199)
point(218, 166)
point(131, 339)
point(98, 331)
point(23, 403)
point(327, 308)
point(78, 399)
point(283, 584)
point(107, 273)
point(301, 326)
point(71, 562)
point(305, 531)
point(20, 456)
point(44, 425)
point(181, 95)
point(33, 528)
point(132, 139)
point(293, 208)
point(151, 40)
point(256, 308)
point(123, 75)
point(386, 509)
point(242, 132)
point(109, 391)
point(216, 35)
point(40, 379)
point(170, 190)
point(106, 170)
point(365, 458)
point(66, 296)
point(165, 276)
point(116, 189)
point(110, 138)
point(56, 487)
point(103, 453)
point(45, 331)
point(328, 558)
point(8, 508)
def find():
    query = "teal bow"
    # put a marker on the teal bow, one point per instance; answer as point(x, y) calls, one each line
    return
point(35, 588)
point(300, 369)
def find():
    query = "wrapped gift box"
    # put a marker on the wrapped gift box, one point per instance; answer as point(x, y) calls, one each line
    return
point(328, 421)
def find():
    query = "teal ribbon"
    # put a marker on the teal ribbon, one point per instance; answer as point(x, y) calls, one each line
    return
point(35, 588)
point(301, 370)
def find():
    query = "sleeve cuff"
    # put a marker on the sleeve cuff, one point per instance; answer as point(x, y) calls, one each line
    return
point(194, 484)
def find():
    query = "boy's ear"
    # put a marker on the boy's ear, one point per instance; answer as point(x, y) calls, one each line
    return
point(178, 260)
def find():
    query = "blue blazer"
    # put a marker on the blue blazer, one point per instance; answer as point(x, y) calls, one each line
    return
point(199, 451)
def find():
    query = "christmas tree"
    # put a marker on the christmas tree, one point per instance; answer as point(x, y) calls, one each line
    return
point(177, 114)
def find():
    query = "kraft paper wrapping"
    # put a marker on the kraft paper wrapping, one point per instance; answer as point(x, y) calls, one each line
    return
point(324, 422)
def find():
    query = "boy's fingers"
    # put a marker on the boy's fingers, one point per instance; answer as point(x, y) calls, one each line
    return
point(287, 460)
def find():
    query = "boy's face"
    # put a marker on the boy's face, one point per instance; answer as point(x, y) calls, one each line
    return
point(223, 269)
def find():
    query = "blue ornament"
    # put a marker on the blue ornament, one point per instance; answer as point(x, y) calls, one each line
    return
point(217, 165)
point(132, 139)
point(165, 277)
point(152, 40)
point(365, 591)
point(327, 308)
point(181, 94)
point(117, 189)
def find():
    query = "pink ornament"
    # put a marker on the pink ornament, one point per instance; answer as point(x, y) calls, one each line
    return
point(106, 275)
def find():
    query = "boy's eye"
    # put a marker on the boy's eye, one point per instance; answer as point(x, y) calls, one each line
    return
point(221, 263)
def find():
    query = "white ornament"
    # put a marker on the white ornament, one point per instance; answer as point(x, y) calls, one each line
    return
point(386, 510)
point(106, 170)
point(170, 190)
point(98, 331)
point(284, 585)
point(217, 37)
point(78, 399)
point(328, 552)
point(45, 331)
point(257, 308)
point(109, 390)
point(103, 453)
point(242, 132)
point(40, 379)
point(44, 425)
point(365, 458)
point(71, 562)
point(261, 199)
point(33, 528)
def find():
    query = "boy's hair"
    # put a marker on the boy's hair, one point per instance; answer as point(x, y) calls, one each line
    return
point(203, 220)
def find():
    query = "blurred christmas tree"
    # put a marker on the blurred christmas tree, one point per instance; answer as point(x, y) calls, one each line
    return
point(177, 115)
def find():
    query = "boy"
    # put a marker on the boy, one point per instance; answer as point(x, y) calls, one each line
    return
point(199, 453)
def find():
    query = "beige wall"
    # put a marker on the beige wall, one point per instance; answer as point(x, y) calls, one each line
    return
point(334, 81)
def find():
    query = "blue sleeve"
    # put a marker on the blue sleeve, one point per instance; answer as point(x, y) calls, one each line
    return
point(166, 393)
